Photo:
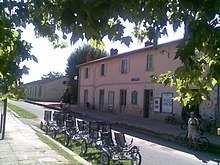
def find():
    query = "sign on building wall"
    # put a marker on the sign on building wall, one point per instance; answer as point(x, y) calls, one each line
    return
point(157, 104)
point(167, 102)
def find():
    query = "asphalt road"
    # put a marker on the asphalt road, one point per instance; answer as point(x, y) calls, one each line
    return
point(154, 151)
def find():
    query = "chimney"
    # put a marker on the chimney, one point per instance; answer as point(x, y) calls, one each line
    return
point(88, 57)
point(113, 51)
point(148, 43)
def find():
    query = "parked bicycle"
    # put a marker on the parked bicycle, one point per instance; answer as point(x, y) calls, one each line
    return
point(202, 143)
point(96, 132)
point(120, 150)
point(184, 122)
point(170, 119)
point(207, 124)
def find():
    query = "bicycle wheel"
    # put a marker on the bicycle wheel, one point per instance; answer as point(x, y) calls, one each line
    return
point(173, 121)
point(202, 143)
point(105, 160)
point(182, 139)
point(54, 133)
point(66, 140)
point(184, 125)
point(136, 158)
point(46, 129)
point(84, 147)
point(212, 129)
point(202, 128)
point(41, 125)
point(167, 119)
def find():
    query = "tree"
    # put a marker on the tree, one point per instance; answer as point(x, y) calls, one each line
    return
point(95, 19)
point(52, 75)
point(77, 57)
point(13, 51)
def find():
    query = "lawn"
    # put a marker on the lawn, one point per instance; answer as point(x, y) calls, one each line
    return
point(21, 112)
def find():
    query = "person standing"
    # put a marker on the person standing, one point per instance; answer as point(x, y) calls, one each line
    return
point(193, 124)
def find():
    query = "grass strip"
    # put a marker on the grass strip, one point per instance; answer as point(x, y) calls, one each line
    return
point(92, 155)
point(21, 112)
point(58, 149)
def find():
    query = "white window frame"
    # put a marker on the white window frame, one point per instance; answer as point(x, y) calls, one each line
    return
point(150, 61)
point(124, 66)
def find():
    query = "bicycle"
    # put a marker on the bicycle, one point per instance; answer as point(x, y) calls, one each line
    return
point(202, 142)
point(207, 125)
point(184, 124)
point(170, 119)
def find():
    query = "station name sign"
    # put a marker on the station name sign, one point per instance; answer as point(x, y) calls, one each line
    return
point(135, 79)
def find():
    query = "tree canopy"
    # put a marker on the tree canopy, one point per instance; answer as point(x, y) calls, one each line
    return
point(51, 75)
point(95, 19)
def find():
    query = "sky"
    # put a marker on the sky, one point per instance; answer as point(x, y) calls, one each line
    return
point(50, 59)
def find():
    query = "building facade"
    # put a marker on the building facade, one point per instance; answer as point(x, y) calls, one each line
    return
point(121, 84)
point(46, 90)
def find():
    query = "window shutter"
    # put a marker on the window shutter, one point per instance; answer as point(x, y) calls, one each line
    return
point(128, 65)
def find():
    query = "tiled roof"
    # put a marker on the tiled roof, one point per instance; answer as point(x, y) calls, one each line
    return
point(130, 52)
point(44, 81)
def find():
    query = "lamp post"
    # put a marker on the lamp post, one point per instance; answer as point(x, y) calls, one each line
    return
point(76, 78)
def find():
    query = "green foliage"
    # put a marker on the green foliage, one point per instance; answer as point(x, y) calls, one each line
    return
point(193, 83)
point(72, 71)
point(95, 19)
point(52, 75)
point(13, 51)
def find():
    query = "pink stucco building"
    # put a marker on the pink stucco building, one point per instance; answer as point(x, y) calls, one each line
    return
point(121, 83)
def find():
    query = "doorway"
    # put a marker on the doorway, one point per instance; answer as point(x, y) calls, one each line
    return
point(148, 100)
point(86, 103)
point(123, 98)
point(101, 100)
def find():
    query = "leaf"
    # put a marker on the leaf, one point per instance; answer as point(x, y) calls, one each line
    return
point(34, 58)
point(213, 82)
point(126, 40)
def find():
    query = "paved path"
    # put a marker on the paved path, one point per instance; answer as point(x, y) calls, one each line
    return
point(21, 146)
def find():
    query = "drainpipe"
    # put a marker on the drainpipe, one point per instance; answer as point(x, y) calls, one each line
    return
point(93, 97)
point(78, 81)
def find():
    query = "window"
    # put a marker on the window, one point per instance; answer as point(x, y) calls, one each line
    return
point(102, 73)
point(124, 66)
point(86, 72)
point(35, 91)
point(111, 95)
point(134, 97)
point(149, 61)
point(39, 91)
point(30, 91)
